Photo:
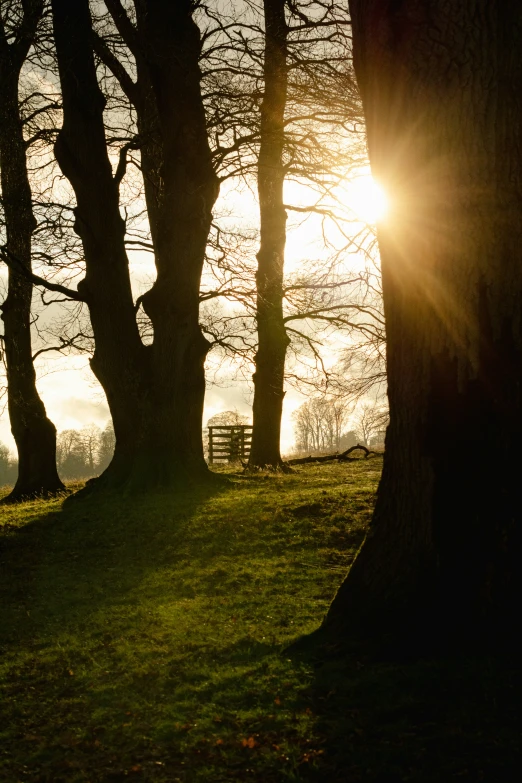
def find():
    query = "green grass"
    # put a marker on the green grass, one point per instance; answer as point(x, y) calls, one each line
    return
point(149, 641)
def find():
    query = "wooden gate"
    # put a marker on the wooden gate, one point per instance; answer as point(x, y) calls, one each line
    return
point(229, 443)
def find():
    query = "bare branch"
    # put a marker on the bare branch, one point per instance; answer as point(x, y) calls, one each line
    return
point(14, 263)
point(118, 70)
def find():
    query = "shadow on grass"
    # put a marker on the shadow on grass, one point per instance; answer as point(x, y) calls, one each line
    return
point(145, 640)
point(67, 562)
point(407, 718)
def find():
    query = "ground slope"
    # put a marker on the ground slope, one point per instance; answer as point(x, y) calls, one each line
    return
point(147, 640)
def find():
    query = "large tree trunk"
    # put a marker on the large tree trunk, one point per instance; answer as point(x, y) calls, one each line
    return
point(180, 191)
point(34, 433)
point(156, 393)
point(120, 360)
point(181, 188)
point(442, 90)
point(272, 336)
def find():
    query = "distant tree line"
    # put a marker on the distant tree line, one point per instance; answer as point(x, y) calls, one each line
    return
point(320, 424)
point(80, 454)
point(8, 467)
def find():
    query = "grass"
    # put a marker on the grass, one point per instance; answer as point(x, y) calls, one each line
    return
point(149, 642)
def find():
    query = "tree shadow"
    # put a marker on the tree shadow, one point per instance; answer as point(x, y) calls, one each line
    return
point(102, 680)
point(65, 564)
point(388, 718)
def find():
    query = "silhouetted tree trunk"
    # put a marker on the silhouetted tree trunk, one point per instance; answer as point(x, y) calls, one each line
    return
point(272, 337)
point(155, 393)
point(186, 192)
point(442, 90)
point(181, 188)
point(120, 359)
point(34, 433)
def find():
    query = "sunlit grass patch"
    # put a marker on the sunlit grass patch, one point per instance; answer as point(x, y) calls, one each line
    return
point(148, 639)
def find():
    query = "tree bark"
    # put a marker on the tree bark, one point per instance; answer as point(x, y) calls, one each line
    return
point(181, 188)
point(34, 433)
point(155, 393)
point(120, 360)
point(272, 336)
point(442, 90)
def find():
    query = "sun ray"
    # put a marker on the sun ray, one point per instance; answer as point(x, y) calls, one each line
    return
point(366, 198)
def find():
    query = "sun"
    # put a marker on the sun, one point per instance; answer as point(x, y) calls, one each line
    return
point(366, 198)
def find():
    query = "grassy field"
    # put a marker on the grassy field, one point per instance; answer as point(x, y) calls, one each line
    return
point(148, 641)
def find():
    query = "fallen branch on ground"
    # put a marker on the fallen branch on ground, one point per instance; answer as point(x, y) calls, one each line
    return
point(343, 457)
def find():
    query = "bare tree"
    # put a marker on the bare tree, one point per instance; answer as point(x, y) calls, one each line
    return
point(155, 391)
point(90, 437)
point(134, 127)
point(8, 467)
point(227, 418)
point(106, 447)
point(319, 424)
point(272, 337)
point(371, 420)
point(279, 125)
point(34, 433)
point(71, 455)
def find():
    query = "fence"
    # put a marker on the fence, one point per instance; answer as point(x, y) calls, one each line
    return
point(229, 443)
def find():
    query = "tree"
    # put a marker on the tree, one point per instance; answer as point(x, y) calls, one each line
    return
point(8, 468)
point(227, 419)
point(237, 131)
point(181, 188)
point(175, 163)
point(34, 433)
point(297, 139)
point(155, 392)
point(371, 420)
point(84, 453)
point(319, 423)
point(106, 447)
point(90, 437)
point(272, 337)
point(71, 456)
point(81, 151)
point(441, 85)
point(347, 440)
point(303, 428)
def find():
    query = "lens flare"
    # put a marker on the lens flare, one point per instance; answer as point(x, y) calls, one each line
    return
point(367, 199)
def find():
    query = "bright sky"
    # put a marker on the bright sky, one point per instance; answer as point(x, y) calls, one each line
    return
point(73, 397)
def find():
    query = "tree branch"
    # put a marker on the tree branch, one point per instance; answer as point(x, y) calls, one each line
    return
point(344, 457)
point(109, 59)
point(122, 163)
point(16, 265)
point(66, 343)
point(33, 10)
point(124, 26)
